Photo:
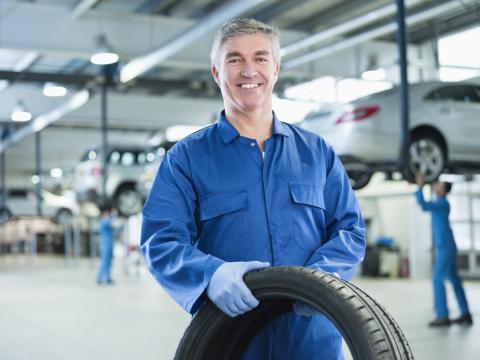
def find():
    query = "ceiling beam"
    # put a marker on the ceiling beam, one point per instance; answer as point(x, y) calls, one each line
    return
point(144, 63)
point(82, 7)
point(374, 33)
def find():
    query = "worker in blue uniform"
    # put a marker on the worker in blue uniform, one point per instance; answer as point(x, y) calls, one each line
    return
point(445, 254)
point(249, 192)
point(106, 230)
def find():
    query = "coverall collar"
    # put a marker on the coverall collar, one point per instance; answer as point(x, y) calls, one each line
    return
point(229, 133)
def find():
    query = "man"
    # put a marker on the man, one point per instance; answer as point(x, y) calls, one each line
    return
point(250, 192)
point(106, 229)
point(445, 264)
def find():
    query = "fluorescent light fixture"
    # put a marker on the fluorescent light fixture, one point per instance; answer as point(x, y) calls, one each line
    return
point(56, 173)
point(35, 179)
point(374, 75)
point(54, 90)
point(104, 55)
point(20, 113)
point(178, 132)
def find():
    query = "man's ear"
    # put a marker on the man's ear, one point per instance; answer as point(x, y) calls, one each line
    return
point(277, 71)
point(214, 71)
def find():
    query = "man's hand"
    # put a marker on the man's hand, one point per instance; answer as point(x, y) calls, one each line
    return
point(420, 179)
point(227, 289)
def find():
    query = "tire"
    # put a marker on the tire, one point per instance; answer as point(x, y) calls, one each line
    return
point(358, 179)
point(128, 201)
point(5, 215)
point(63, 216)
point(370, 332)
point(358, 174)
point(426, 154)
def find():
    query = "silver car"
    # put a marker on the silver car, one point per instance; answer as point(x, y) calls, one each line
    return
point(125, 165)
point(23, 202)
point(444, 131)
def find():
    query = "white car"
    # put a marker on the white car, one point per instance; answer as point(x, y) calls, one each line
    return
point(23, 202)
point(125, 165)
point(444, 131)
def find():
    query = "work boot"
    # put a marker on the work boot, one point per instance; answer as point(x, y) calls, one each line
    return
point(464, 320)
point(440, 322)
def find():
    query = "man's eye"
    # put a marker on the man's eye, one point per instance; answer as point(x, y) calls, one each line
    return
point(233, 60)
point(262, 60)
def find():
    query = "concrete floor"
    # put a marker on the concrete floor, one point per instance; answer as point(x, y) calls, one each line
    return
point(50, 309)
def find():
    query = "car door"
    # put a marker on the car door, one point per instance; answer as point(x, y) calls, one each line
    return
point(466, 104)
point(449, 111)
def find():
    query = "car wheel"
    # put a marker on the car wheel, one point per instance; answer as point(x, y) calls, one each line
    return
point(128, 201)
point(369, 331)
point(63, 216)
point(5, 215)
point(427, 156)
point(358, 174)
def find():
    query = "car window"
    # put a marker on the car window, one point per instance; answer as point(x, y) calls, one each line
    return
point(457, 93)
point(17, 193)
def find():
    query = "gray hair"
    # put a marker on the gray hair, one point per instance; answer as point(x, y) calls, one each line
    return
point(237, 27)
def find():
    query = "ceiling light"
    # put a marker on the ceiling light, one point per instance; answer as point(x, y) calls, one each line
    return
point(104, 55)
point(56, 173)
point(374, 75)
point(35, 179)
point(20, 113)
point(54, 90)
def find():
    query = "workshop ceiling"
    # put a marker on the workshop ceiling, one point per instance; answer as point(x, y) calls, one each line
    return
point(52, 40)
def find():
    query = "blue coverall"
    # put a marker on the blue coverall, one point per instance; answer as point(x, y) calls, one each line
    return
point(215, 199)
point(445, 264)
point(106, 249)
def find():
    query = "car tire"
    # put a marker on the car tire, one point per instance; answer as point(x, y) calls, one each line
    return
point(5, 215)
point(369, 331)
point(358, 174)
point(128, 201)
point(426, 154)
point(63, 216)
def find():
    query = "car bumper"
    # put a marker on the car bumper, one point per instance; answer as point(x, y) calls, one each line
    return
point(365, 145)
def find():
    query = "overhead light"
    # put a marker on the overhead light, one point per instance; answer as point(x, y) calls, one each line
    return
point(54, 90)
point(374, 75)
point(56, 173)
point(373, 71)
point(104, 55)
point(20, 113)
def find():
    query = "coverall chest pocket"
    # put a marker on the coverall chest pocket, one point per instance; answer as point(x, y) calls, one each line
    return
point(224, 214)
point(308, 214)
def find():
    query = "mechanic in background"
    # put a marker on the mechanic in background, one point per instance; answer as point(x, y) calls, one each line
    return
point(248, 192)
point(445, 253)
point(106, 229)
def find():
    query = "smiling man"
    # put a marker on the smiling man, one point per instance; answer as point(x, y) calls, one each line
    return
point(250, 192)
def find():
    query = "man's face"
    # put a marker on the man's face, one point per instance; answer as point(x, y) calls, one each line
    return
point(246, 72)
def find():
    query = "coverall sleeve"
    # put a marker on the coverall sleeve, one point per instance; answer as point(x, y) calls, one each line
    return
point(344, 248)
point(169, 234)
point(429, 205)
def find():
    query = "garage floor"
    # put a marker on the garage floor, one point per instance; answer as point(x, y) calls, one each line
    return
point(50, 309)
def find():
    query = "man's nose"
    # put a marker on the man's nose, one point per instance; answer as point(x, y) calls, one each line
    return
point(248, 69)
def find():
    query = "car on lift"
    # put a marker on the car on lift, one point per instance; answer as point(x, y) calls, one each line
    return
point(23, 202)
point(444, 130)
point(125, 165)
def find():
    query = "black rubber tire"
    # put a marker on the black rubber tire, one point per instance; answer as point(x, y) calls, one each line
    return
point(359, 179)
point(370, 332)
